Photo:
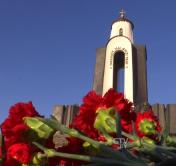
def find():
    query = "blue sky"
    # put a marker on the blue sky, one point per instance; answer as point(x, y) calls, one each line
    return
point(47, 48)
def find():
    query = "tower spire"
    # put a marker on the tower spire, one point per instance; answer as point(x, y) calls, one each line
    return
point(122, 26)
point(122, 13)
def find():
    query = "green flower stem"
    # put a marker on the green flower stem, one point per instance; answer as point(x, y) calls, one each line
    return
point(106, 151)
point(118, 125)
point(132, 137)
point(72, 132)
point(160, 149)
point(157, 153)
point(153, 150)
point(86, 158)
point(107, 136)
point(167, 148)
point(131, 145)
point(102, 147)
point(167, 162)
point(152, 153)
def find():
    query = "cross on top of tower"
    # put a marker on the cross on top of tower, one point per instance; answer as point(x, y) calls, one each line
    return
point(122, 17)
point(122, 13)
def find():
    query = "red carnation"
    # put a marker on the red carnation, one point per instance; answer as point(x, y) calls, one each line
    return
point(20, 152)
point(112, 98)
point(85, 119)
point(10, 162)
point(17, 134)
point(122, 105)
point(91, 101)
point(20, 110)
point(13, 128)
point(117, 100)
point(0, 152)
point(147, 124)
point(126, 126)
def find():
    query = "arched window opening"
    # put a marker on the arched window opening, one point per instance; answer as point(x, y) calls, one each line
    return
point(121, 32)
point(118, 71)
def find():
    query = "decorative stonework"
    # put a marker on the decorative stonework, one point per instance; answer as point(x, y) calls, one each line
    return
point(114, 52)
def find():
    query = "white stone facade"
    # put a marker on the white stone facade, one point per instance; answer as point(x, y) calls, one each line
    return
point(120, 40)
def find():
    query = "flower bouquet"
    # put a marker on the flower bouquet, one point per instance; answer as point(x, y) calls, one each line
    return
point(107, 131)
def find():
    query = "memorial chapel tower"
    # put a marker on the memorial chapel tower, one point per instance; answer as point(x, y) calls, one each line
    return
point(121, 64)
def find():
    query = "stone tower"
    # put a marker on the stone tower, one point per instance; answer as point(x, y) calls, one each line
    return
point(121, 55)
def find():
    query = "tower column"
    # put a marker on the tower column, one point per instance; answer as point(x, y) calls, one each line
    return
point(115, 45)
point(121, 52)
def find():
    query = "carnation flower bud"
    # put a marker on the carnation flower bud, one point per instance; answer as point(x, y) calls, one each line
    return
point(86, 144)
point(39, 159)
point(50, 152)
point(171, 140)
point(148, 140)
point(39, 126)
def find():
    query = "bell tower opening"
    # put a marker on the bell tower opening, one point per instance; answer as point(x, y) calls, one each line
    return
point(118, 71)
point(121, 32)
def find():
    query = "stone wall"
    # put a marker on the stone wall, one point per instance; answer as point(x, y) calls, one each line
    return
point(65, 113)
point(165, 113)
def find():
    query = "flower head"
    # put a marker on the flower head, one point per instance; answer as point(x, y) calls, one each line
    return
point(147, 124)
point(85, 119)
point(92, 103)
point(20, 110)
point(20, 152)
point(13, 128)
point(117, 100)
